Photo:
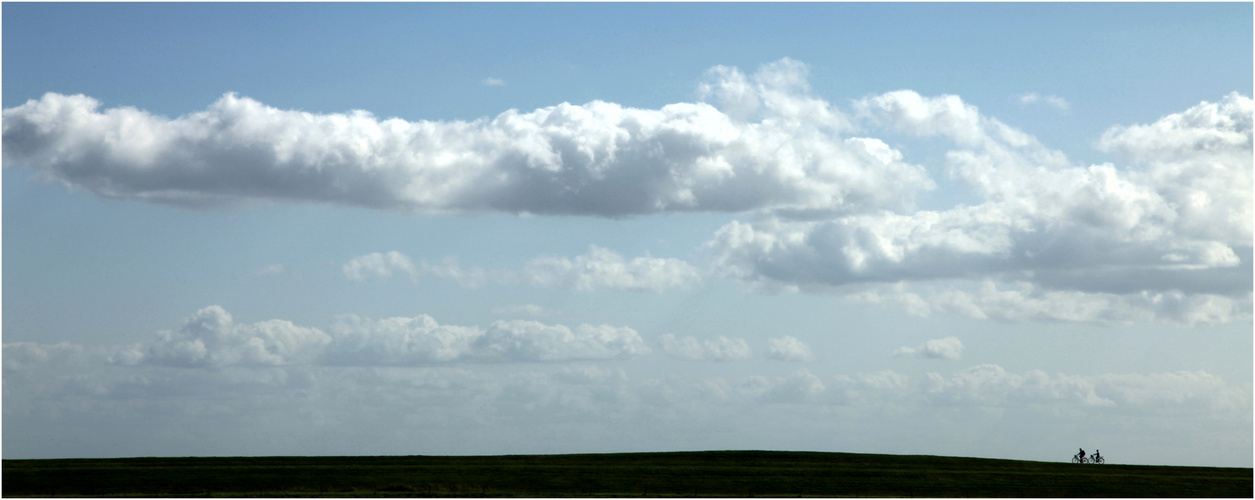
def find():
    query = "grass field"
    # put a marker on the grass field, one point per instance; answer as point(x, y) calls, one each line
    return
point(710, 474)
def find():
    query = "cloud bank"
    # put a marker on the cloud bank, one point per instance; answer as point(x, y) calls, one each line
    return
point(211, 339)
point(720, 348)
point(599, 269)
point(118, 409)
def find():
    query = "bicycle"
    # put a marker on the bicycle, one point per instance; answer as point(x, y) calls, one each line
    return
point(1092, 459)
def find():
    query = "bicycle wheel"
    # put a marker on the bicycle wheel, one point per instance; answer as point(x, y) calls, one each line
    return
point(1078, 460)
point(1100, 460)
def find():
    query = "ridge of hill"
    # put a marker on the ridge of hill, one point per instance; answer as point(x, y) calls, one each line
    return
point(664, 474)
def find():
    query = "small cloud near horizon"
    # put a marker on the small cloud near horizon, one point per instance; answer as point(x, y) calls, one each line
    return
point(947, 348)
point(1033, 97)
point(524, 309)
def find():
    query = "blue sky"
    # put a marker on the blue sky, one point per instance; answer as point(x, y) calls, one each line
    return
point(995, 230)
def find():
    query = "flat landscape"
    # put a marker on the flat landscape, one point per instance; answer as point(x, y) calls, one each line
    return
point(681, 474)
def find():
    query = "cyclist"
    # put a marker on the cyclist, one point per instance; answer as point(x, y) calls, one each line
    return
point(1082, 454)
point(1097, 455)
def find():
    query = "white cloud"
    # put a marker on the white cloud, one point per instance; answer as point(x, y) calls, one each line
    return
point(1181, 223)
point(492, 82)
point(990, 385)
point(420, 340)
point(384, 265)
point(948, 348)
point(909, 112)
point(397, 341)
point(1209, 127)
point(144, 409)
point(381, 265)
point(719, 349)
point(1172, 390)
point(211, 338)
point(521, 309)
point(1024, 301)
point(1053, 100)
point(601, 268)
point(789, 348)
point(19, 356)
point(599, 158)
point(1199, 162)
point(521, 340)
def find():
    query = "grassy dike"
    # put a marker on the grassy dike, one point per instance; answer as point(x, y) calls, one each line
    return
point(684, 474)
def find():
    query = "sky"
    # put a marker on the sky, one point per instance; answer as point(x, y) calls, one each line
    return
point(984, 230)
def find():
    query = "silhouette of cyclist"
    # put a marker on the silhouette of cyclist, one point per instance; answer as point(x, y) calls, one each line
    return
point(1082, 454)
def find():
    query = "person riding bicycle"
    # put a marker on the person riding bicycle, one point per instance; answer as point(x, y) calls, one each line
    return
point(1082, 454)
point(1097, 455)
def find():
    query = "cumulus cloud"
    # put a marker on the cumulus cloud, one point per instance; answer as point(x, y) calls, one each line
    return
point(397, 341)
point(599, 158)
point(719, 349)
point(19, 356)
point(421, 340)
point(1177, 221)
point(211, 338)
point(1024, 301)
point(1033, 97)
point(947, 348)
point(378, 265)
point(1175, 389)
point(1207, 128)
point(521, 340)
point(887, 393)
point(991, 385)
point(1199, 162)
point(601, 268)
point(789, 348)
point(401, 342)
point(384, 265)
point(61, 389)
point(1164, 235)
